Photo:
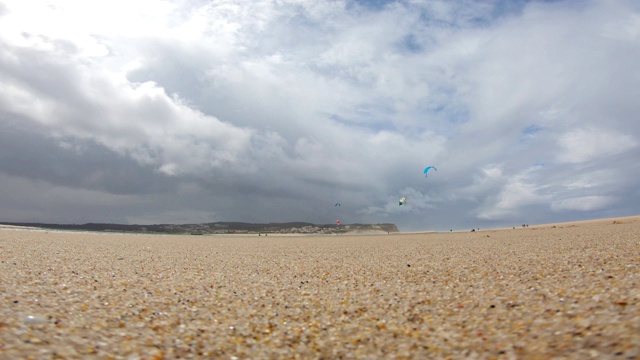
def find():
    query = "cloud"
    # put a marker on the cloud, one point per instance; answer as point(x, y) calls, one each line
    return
point(274, 111)
point(591, 143)
point(584, 203)
point(517, 194)
point(136, 120)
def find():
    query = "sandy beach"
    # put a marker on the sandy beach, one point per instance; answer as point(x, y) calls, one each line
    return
point(542, 292)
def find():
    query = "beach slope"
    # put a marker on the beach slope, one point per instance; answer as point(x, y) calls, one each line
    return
point(550, 291)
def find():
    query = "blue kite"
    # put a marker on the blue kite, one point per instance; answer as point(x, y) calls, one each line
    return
point(428, 168)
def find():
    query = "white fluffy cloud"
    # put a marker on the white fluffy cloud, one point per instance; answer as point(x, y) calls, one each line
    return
point(583, 203)
point(591, 144)
point(274, 111)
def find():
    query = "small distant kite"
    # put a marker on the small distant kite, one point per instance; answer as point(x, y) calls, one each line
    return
point(338, 222)
point(337, 204)
point(429, 168)
point(402, 201)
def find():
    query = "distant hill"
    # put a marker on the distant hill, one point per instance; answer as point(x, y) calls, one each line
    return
point(221, 228)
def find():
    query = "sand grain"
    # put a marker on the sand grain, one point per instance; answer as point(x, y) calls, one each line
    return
point(555, 291)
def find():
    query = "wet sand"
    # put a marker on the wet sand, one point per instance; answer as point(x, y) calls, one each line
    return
point(550, 291)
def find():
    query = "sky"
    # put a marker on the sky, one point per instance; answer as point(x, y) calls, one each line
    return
point(161, 111)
